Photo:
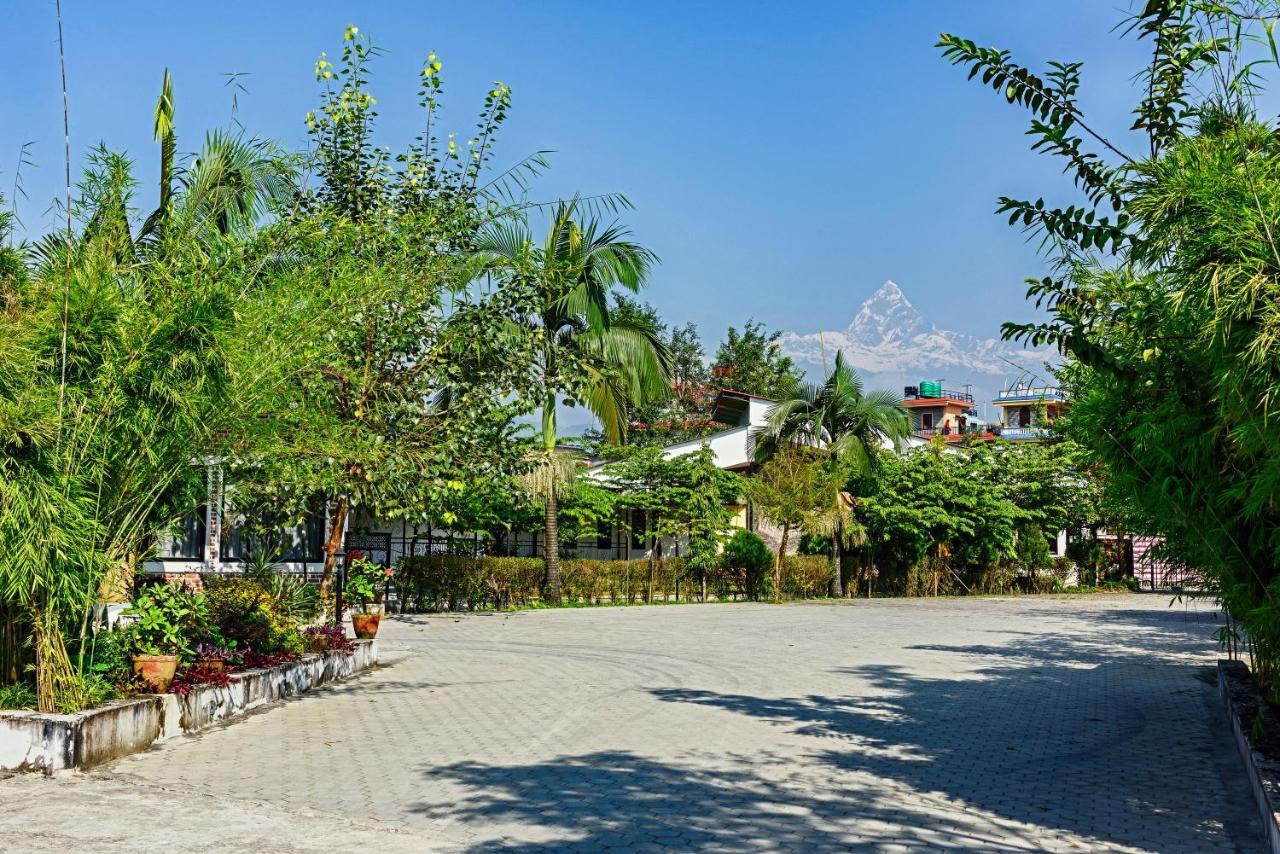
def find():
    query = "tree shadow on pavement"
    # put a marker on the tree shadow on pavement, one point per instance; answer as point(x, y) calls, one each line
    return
point(1074, 734)
point(616, 799)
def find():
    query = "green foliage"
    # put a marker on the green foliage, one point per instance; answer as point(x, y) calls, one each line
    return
point(814, 544)
point(751, 361)
point(939, 513)
point(1172, 331)
point(1032, 550)
point(686, 413)
point(453, 582)
point(19, 695)
point(111, 656)
point(169, 620)
point(244, 614)
point(366, 581)
point(410, 391)
point(747, 555)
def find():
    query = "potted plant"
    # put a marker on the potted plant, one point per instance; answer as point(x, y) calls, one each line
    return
point(213, 657)
point(157, 635)
point(365, 583)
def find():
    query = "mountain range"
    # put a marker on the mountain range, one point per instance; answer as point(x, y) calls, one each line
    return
point(891, 344)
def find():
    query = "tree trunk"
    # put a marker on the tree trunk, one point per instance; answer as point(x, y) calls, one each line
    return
point(777, 566)
point(837, 585)
point(551, 550)
point(653, 551)
point(337, 524)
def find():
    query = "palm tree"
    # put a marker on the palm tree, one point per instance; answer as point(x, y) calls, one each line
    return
point(843, 419)
point(608, 366)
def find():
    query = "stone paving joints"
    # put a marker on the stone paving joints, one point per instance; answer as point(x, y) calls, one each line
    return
point(981, 724)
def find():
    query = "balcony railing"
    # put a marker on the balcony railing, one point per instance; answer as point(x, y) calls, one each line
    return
point(947, 393)
point(948, 432)
point(1026, 393)
point(1022, 432)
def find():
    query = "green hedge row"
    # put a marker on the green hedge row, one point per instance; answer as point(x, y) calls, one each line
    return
point(454, 582)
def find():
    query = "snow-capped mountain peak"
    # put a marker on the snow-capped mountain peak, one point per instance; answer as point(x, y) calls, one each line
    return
point(887, 314)
point(891, 341)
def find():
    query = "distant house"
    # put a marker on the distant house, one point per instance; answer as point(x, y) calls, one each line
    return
point(211, 539)
point(1027, 412)
point(937, 411)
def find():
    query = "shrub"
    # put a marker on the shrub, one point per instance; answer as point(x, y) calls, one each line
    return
point(244, 613)
point(454, 582)
point(366, 581)
point(747, 555)
point(814, 544)
point(18, 696)
point(294, 597)
point(110, 657)
point(805, 576)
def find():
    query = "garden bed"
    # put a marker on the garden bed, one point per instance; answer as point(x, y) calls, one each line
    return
point(34, 741)
point(1256, 730)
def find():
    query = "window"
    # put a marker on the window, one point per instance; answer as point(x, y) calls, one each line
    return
point(604, 534)
point(293, 543)
point(926, 420)
point(187, 539)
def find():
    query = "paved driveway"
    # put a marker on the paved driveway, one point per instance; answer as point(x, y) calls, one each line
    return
point(1016, 724)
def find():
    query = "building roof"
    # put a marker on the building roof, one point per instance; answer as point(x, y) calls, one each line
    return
point(1023, 394)
point(730, 405)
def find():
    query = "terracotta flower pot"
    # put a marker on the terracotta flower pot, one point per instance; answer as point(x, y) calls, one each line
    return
point(156, 670)
point(366, 625)
point(214, 665)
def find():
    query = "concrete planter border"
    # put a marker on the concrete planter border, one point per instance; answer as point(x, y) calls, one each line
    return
point(34, 741)
point(1243, 700)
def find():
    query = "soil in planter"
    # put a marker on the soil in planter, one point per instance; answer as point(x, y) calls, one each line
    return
point(1247, 700)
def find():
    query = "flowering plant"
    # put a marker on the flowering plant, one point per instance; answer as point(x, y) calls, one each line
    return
point(214, 652)
point(328, 639)
point(253, 660)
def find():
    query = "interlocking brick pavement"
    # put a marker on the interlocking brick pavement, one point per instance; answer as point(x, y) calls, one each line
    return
point(990, 724)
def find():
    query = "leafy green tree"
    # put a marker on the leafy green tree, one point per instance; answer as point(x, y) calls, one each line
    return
point(751, 361)
point(127, 355)
point(411, 392)
point(686, 413)
point(932, 512)
point(583, 356)
point(1163, 291)
point(840, 419)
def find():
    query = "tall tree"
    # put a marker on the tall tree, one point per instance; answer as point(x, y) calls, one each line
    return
point(839, 418)
point(752, 361)
point(1163, 288)
point(584, 357)
point(410, 393)
point(686, 413)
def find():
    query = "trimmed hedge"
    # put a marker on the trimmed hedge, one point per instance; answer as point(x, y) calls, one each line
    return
point(455, 582)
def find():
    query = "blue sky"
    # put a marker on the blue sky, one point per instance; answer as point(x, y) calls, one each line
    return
point(785, 159)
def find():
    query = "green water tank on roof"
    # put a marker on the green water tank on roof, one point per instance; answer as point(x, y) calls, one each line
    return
point(929, 388)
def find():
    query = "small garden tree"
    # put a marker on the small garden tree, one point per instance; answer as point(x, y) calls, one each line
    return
point(797, 490)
